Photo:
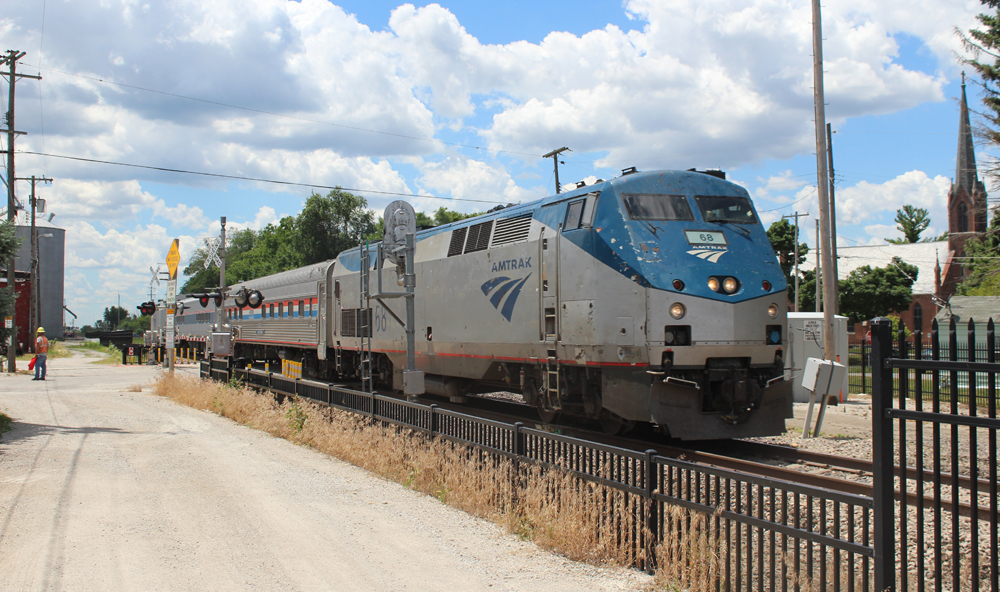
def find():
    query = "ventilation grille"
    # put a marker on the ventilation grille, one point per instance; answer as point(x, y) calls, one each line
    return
point(479, 237)
point(352, 323)
point(512, 230)
point(457, 241)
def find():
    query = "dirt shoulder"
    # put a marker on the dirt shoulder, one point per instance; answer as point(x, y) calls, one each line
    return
point(106, 488)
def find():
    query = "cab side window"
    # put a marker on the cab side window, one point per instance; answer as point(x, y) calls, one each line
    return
point(574, 215)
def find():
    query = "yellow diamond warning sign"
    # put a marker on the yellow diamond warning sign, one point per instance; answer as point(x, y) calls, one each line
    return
point(173, 258)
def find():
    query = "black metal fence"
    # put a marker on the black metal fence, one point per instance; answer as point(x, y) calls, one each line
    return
point(733, 530)
point(944, 430)
point(931, 524)
point(954, 343)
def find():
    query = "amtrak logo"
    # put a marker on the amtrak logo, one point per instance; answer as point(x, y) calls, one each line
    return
point(712, 255)
point(504, 286)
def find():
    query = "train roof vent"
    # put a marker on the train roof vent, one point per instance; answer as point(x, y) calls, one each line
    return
point(512, 230)
point(479, 237)
point(711, 173)
point(629, 171)
point(457, 241)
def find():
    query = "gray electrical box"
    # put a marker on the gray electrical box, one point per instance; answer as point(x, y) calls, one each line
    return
point(413, 382)
point(823, 377)
point(805, 340)
point(221, 345)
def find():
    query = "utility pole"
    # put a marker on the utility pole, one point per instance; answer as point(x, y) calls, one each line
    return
point(555, 161)
point(819, 274)
point(34, 316)
point(822, 181)
point(795, 256)
point(10, 60)
point(222, 277)
point(835, 276)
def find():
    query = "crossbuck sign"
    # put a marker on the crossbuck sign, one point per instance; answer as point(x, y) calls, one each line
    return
point(212, 244)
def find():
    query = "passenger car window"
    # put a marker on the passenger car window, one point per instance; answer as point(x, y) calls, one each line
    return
point(725, 208)
point(657, 207)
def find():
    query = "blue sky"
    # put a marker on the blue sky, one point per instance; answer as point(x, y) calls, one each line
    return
point(458, 100)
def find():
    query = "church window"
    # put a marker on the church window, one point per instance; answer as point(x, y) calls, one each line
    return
point(918, 317)
point(963, 217)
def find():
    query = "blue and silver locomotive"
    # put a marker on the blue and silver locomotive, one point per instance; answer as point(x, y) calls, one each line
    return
point(654, 297)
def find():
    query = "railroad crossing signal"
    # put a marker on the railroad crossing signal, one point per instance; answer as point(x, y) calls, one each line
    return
point(204, 299)
point(156, 275)
point(147, 308)
point(173, 258)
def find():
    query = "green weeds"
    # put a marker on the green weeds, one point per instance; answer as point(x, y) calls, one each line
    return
point(296, 416)
point(5, 425)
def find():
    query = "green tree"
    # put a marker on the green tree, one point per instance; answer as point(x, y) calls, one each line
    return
point(9, 244)
point(423, 220)
point(329, 224)
point(114, 316)
point(983, 48)
point(782, 237)
point(273, 251)
point(201, 279)
point(445, 216)
point(982, 268)
point(137, 323)
point(911, 222)
point(876, 292)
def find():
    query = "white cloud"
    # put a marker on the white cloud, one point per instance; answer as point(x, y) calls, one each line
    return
point(782, 183)
point(110, 202)
point(463, 178)
point(709, 77)
point(867, 200)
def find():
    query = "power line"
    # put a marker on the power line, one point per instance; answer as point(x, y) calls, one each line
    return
point(806, 196)
point(255, 179)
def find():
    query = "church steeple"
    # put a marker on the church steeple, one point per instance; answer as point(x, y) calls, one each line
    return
point(965, 164)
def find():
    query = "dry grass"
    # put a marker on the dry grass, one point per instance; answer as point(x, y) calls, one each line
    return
point(553, 509)
point(578, 519)
point(134, 388)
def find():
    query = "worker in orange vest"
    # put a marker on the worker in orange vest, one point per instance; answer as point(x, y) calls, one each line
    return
point(41, 352)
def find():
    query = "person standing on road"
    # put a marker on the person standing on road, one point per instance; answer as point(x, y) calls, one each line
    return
point(41, 352)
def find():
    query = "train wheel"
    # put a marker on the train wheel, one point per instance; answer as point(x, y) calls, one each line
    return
point(614, 424)
point(547, 415)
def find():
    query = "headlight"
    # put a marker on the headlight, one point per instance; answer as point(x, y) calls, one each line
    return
point(772, 311)
point(713, 284)
point(730, 285)
point(677, 310)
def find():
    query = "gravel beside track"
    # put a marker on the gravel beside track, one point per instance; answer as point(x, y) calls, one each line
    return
point(106, 488)
point(847, 432)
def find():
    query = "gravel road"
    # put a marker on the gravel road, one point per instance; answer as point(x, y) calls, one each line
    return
point(106, 488)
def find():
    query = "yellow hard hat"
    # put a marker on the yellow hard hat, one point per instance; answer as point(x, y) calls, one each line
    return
point(41, 329)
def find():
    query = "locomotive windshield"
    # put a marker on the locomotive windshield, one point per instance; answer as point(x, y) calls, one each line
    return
point(725, 208)
point(657, 206)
